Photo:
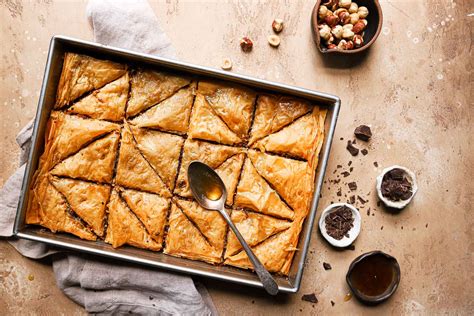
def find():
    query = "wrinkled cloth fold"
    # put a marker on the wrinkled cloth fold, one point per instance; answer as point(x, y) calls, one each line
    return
point(101, 285)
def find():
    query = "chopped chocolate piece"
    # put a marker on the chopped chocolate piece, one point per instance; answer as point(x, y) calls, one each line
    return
point(339, 192)
point(310, 298)
point(327, 266)
point(346, 174)
point(361, 199)
point(352, 199)
point(352, 186)
point(350, 163)
point(351, 168)
point(396, 186)
point(426, 225)
point(353, 141)
point(368, 212)
point(363, 132)
point(379, 203)
point(338, 166)
point(376, 164)
point(364, 151)
point(342, 138)
point(150, 298)
point(353, 150)
point(381, 228)
point(339, 222)
point(332, 303)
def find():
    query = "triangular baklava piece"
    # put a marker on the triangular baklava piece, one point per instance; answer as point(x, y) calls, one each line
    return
point(151, 87)
point(184, 239)
point(125, 228)
point(82, 74)
point(107, 103)
point(255, 228)
point(275, 112)
point(292, 179)
point(151, 209)
point(68, 133)
point(134, 171)
point(299, 139)
point(275, 253)
point(53, 212)
point(161, 150)
point(210, 223)
point(172, 114)
point(212, 155)
point(253, 192)
point(232, 103)
point(88, 200)
point(94, 162)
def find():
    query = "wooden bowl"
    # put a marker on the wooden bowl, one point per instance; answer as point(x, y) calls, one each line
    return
point(371, 33)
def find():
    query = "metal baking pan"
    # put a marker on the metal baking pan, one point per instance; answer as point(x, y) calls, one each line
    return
point(59, 45)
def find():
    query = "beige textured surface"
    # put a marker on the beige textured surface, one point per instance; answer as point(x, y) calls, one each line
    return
point(414, 88)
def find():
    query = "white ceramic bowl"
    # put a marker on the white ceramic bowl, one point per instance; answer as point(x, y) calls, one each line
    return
point(396, 204)
point(353, 233)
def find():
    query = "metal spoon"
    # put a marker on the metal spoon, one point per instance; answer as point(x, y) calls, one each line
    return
point(210, 192)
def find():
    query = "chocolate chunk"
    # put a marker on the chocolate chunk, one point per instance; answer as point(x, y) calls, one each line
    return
point(351, 168)
point(346, 174)
point(310, 298)
point(352, 199)
point(338, 166)
point(396, 186)
point(339, 192)
point(332, 303)
point(368, 212)
point(364, 151)
point(376, 164)
point(327, 266)
point(353, 150)
point(352, 186)
point(350, 163)
point(150, 298)
point(363, 132)
point(361, 199)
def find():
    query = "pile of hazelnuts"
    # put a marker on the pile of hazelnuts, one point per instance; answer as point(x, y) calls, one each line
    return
point(341, 24)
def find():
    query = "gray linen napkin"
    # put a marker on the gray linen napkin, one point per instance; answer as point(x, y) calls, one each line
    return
point(100, 285)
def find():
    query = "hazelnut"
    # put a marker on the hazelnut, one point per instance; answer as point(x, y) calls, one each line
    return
point(342, 45)
point(337, 31)
point(331, 20)
point(344, 17)
point(324, 32)
point(226, 64)
point(353, 18)
point(364, 21)
point(348, 26)
point(345, 3)
point(347, 34)
point(358, 40)
point(246, 44)
point(323, 12)
point(363, 12)
point(349, 45)
point(338, 11)
point(358, 27)
point(353, 8)
point(277, 25)
point(332, 46)
point(332, 4)
point(274, 40)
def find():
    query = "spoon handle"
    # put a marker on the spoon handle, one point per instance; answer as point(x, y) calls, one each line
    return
point(267, 280)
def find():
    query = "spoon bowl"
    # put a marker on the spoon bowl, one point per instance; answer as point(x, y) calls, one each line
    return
point(210, 192)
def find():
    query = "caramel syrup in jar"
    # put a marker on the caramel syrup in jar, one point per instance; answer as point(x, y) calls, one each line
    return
point(373, 275)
